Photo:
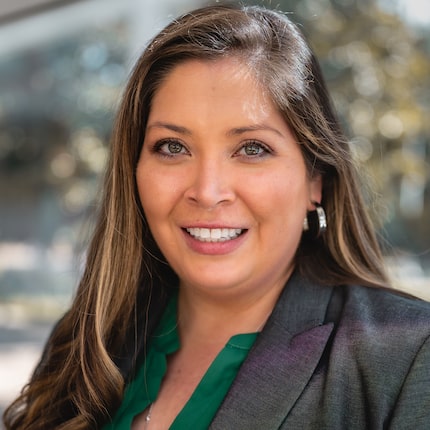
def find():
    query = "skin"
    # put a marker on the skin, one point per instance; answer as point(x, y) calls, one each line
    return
point(218, 155)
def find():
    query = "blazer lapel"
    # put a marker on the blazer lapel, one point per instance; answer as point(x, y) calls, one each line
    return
point(281, 362)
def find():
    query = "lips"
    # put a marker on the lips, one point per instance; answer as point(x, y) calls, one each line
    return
point(214, 234)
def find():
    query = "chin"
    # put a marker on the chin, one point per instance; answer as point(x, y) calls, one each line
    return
point(212, 284)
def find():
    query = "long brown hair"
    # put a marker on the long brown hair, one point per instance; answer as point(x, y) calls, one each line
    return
point(92, 351)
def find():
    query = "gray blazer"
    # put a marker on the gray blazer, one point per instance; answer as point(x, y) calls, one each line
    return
point(335, 358)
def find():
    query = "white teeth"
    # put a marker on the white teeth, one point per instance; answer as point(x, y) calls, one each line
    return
point(214, 234)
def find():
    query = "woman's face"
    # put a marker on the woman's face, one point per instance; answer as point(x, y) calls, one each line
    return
point(222, 180)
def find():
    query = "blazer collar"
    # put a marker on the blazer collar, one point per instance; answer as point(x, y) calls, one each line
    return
point(282, 360)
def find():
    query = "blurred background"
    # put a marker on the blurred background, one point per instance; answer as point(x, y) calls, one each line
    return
point(63, 65)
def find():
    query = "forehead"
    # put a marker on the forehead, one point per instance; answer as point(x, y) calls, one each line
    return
point(221, 71)
point(226, 83)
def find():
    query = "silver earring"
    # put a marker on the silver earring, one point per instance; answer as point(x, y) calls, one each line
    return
point(315, 222)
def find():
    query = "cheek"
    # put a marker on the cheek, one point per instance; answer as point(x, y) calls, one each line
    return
point(158, 193)
point(282, 199)
point(287, 187)
point(148, 188)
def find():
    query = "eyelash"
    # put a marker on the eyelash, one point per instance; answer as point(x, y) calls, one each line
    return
point(157, 148)
point(263, 149)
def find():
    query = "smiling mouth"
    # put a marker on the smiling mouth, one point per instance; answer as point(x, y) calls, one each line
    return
point(214, 234)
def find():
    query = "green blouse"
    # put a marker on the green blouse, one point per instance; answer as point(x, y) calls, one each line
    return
point(200, 409)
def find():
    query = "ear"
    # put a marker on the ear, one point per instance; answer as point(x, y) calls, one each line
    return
point(315, 190)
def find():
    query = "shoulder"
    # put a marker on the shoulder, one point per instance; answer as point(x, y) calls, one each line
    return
point(383, 306)
point(380, 350)
point(381, 323)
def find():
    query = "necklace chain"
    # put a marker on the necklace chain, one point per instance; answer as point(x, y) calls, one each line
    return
point(148, 416)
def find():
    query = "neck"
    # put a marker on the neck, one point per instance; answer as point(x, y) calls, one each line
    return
point(207, 319)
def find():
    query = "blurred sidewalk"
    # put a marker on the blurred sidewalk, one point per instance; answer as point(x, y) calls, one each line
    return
point(20, 349)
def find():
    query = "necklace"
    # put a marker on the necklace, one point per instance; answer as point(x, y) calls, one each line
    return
point(148, 416)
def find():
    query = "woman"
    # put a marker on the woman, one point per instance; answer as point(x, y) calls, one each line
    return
point(217, 292)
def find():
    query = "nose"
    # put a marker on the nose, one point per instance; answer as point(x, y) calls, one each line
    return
point(210, 184)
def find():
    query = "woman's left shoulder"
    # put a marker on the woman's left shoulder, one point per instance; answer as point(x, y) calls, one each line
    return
point(386, 309)
point(386, 300)
point(376, 328)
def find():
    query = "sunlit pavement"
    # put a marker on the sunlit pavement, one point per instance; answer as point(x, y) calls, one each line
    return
point(20, 349)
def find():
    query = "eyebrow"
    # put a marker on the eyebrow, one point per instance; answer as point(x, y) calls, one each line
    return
point(256, 127)
point(171, 127)
point(233, 132)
